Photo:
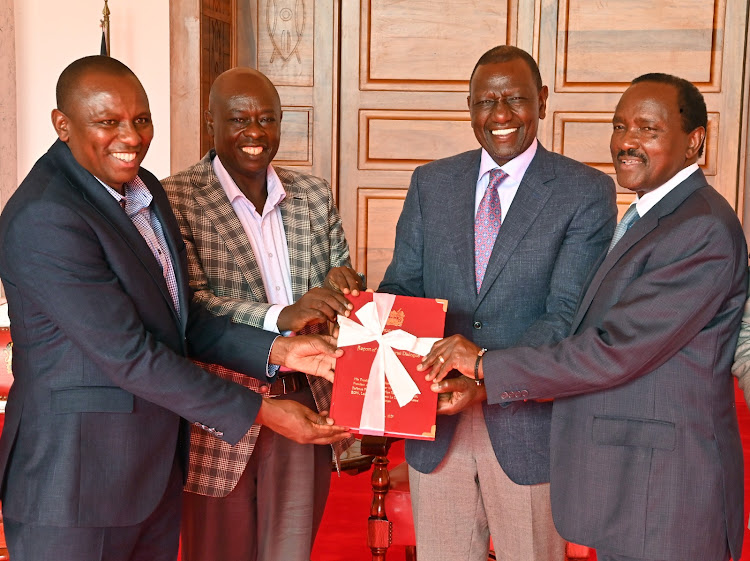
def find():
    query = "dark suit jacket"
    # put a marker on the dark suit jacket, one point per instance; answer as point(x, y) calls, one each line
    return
point(93, 418)
point(646, 454)
point(561, 219)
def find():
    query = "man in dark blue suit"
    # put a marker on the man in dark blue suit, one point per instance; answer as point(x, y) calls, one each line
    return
point(94, 268)
point(511, 284)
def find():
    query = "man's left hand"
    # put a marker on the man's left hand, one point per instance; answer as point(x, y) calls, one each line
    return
point(457, 394)
point(311, 354)
point(344, 280)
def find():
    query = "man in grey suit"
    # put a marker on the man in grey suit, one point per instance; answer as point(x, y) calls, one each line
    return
point(93, 449)
point(488, 469)
point(646, 453)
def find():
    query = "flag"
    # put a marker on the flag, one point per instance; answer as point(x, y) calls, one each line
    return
point(103, 48)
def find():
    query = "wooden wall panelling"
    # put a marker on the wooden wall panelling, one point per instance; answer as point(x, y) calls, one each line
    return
point(405, 70)
point(590, 52)
point(744, 167)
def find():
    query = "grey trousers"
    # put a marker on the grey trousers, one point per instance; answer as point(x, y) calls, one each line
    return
point(468, 497)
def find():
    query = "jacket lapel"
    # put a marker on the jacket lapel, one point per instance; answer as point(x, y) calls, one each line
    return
point(460, 196)
point(295, 214)
point(210, 195)
point(103, 203)
point(642, 227)
point(530, 199)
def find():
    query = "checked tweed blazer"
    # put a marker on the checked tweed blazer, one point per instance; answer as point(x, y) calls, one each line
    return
point(225, 278)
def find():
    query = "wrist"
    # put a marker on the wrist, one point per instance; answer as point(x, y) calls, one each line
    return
point(478, 369)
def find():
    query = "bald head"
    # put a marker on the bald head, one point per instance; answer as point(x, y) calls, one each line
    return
point(244, 120)
point(240, 81)
point(70, 81)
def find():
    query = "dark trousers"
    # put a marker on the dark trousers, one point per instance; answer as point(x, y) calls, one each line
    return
point(154, 539)
point(274, 511)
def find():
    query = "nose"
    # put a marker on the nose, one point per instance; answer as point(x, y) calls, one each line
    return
point(501, 111)
point(630, 138)
point(128, 133)
point(253, 129)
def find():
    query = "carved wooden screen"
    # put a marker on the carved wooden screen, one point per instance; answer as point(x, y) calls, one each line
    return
point(217, 51)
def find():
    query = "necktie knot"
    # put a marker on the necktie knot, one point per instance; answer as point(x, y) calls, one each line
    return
point(631, 215)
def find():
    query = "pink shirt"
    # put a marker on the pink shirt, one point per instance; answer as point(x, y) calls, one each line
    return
point(267, 237)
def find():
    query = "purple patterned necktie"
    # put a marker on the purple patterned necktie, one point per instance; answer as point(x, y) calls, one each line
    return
point(487, 225)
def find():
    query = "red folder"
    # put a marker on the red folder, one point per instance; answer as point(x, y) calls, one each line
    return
point(419, 317)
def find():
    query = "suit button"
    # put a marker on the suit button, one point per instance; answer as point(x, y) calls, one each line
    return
point(477, 325)
point(504, 395)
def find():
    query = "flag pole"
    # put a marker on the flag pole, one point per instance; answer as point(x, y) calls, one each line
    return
point(106, 50)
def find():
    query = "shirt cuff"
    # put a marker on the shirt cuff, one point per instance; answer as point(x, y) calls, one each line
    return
point(271, 369)
point(272, 317)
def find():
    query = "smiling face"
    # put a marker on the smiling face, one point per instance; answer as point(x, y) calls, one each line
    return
point(505, 105)
point(244, 119)
point(649, 145)
point(107, 126)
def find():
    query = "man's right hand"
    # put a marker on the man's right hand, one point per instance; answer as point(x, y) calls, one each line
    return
point(317, 305)
point(299, 423)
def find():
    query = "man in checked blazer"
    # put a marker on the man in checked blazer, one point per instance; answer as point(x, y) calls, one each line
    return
point(646, 452)
point(488, 468)
point(266, 247)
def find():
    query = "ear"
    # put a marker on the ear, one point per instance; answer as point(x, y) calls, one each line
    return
point(468, 102)
point(209, 122)
point(61, 122)
point(281, 115)
point(543, 95)
point(695, 140)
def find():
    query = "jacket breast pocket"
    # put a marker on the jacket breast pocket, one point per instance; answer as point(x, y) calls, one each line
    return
point(627, 431)
point(93, 399)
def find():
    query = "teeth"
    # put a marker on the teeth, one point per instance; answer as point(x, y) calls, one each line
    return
point(252, 150)
point(124, 156)
point(504, 132)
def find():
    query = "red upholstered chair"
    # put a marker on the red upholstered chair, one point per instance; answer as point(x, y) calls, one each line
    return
point(6, 379)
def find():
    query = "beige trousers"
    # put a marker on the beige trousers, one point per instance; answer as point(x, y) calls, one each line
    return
point(468, 497)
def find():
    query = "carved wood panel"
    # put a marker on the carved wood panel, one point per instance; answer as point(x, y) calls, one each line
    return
point(217, 50)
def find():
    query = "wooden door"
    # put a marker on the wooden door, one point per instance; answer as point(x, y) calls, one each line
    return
point(404, 80)
point(589, 52)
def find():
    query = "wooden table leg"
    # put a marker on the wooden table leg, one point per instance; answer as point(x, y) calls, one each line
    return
point(378, 525)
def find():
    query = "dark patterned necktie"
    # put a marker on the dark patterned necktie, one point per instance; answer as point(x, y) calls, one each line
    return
point(487, 225)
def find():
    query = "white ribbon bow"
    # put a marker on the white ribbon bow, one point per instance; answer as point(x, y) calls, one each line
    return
point(374, 316)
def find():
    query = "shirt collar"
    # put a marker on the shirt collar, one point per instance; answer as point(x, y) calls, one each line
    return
point(276, 192)
point(648, 201)
point(515, 168)
point(137, 196)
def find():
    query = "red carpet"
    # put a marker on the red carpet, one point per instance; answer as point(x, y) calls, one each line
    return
point(343, 533)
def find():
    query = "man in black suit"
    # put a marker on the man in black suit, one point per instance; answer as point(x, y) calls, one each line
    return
point(646, 454)
point(93, 449)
